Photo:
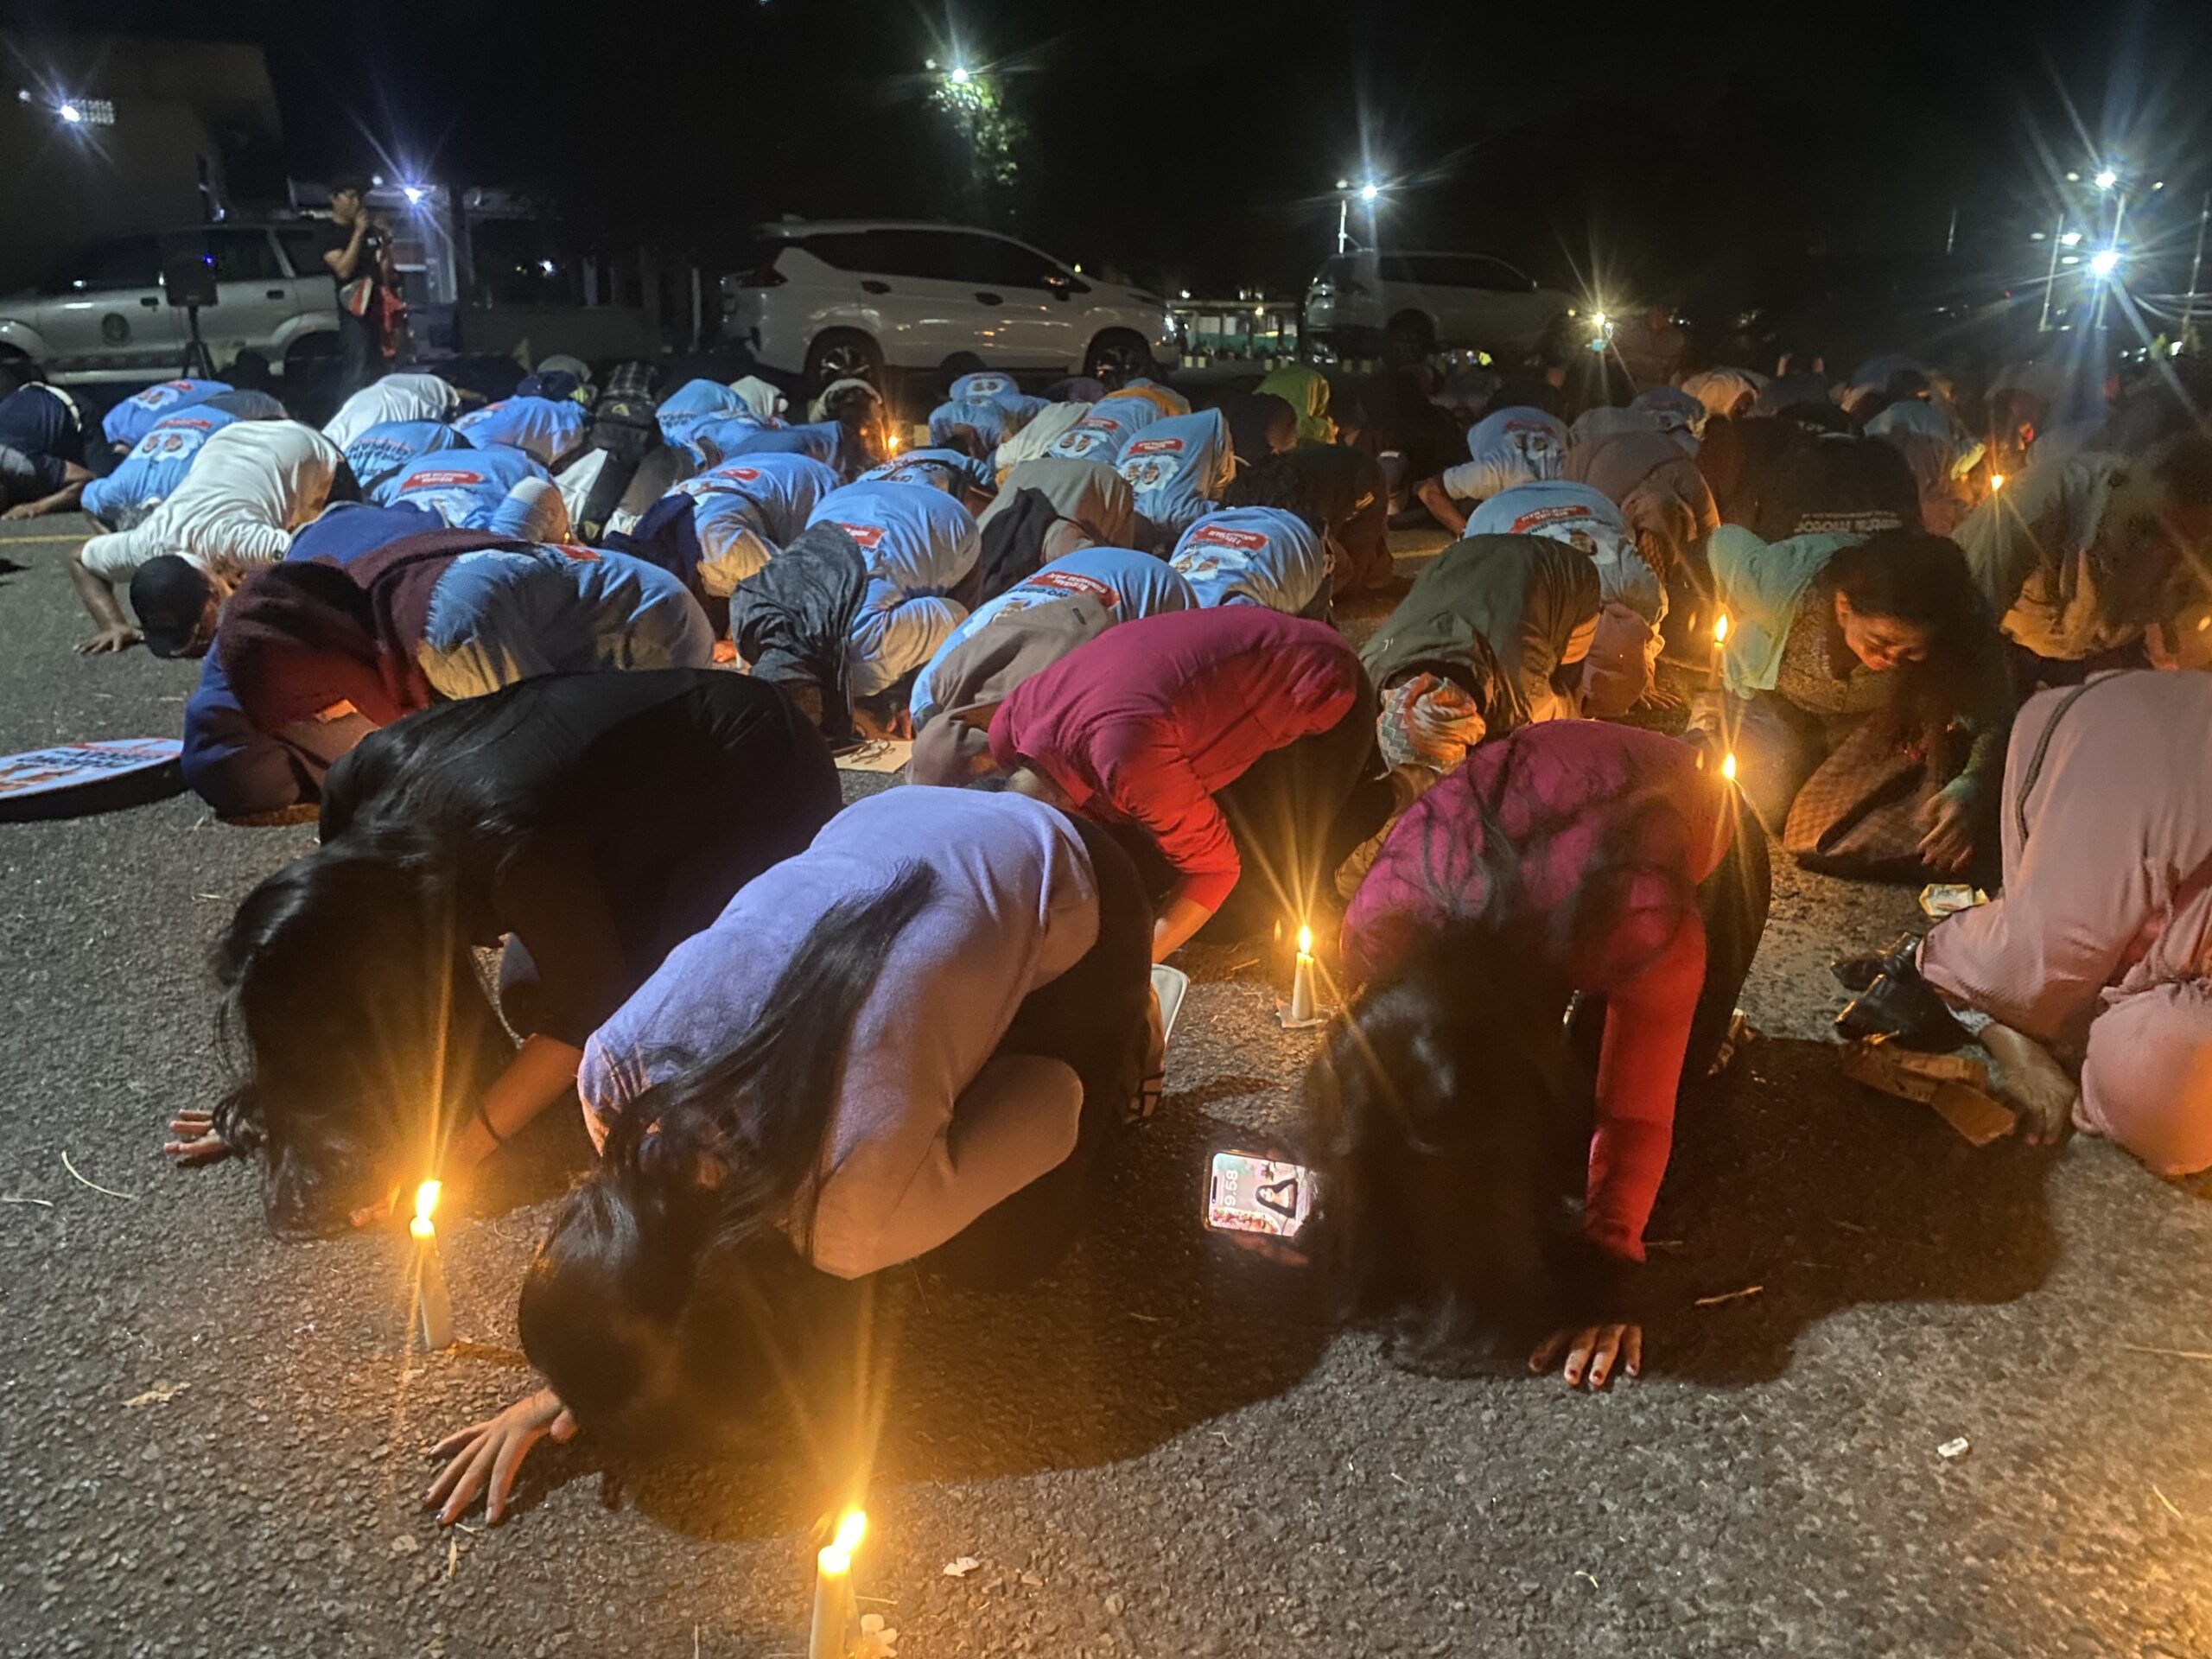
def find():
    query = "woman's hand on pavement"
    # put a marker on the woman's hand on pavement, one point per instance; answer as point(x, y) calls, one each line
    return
point(195, 1141)
point(1591, 1353)
point(121, 636)
point(1949, 844)
point(486, 1457)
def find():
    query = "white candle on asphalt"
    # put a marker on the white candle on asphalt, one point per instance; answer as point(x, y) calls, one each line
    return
point(1301, 983)
point(434, 1306)
point(833, 1589)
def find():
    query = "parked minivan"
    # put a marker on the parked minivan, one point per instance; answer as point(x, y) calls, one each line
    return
point(825, 299)
point(1406, 305)
point(103, 314)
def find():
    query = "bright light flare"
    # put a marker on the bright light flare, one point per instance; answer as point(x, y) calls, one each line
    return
point(835, 1558)
point(2106, 180)
point(1996, 482)
point(2104, 261)
point(1305, 941)
point(959, 77)
point(414, 195)
point(1368, 191)
point(70, 113)
point(1728, 765)
point(426, 1201)
point(1720, 628)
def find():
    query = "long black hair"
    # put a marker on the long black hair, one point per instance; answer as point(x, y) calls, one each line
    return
point(355, 1026)
point(1277, 480)
point(350, 1006)
point(673, 1285)
point(1448, 1116)
point(1915, 577)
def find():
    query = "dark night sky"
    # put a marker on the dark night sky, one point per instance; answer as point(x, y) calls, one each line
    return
point(1697, 152)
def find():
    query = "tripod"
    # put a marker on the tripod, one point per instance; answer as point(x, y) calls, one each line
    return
point(198, 362)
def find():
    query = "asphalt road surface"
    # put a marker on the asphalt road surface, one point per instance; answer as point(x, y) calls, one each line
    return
point(211, 1442)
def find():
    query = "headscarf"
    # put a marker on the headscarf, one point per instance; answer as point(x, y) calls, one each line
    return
point(1306, 390)
point(1170, 403)
point(1722, 392)
point(1037, 436)
point(766, 403)
point(1049, 507)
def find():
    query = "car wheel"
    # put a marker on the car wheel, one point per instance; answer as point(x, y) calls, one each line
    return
point(1118, 357)
point(843, 354)
point(1409, 338)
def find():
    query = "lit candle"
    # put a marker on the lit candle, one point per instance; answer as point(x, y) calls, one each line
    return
point(1728, 765)
point(1720, 639)
point(1301, 983)
point(434, 1306)
point(833, 1589)
point(1996, 482)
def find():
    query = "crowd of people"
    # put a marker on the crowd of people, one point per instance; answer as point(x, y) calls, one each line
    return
point(564, 675)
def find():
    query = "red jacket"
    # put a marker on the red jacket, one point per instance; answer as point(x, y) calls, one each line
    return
point(1582, 803)
point(1147, 722)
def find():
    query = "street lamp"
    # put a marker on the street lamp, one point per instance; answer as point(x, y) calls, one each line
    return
point(1370, 193)
point(71, 113)
point(2104, 261)
point(958, 76)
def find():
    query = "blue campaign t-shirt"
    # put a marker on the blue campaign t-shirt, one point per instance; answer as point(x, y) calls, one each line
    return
point(1585, 517)
point(381, 451)
point(155, 467)
point(822, 440)
point(691, 403)
point(463, 487)
point(134, 417)
point(1178, 468)
point(1126, 583)
point(918, 539)
point(1101, 434)
point(545, 428)
point(711, 437)
point(782, 490)
point(986, 417)
point(949, 470)
point(993, 384)
point(1253, 555)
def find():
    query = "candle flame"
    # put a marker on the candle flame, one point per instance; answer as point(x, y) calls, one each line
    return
point(1720, 628)
point(1305, 941)
point(1728, 765)
point(1996, 482)
point(835, 1558)
point(426, 1200)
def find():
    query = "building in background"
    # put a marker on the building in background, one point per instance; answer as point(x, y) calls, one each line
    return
point(101, 135)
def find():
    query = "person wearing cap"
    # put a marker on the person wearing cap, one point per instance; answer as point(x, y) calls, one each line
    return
point(252, 484)
point(1494, 636)
point(497, 489)
point(42, 451)
point(1507, 447)
point(394, 397)
point(1214, 740)
point(1035, 623)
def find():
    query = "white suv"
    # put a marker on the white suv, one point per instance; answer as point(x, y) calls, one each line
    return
point(825, 299)
point(1410, 304)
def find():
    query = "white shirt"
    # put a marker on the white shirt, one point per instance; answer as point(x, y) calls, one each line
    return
point(394, 397)
point(253, 484)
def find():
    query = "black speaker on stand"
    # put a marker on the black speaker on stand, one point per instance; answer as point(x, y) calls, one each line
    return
point(189, 278)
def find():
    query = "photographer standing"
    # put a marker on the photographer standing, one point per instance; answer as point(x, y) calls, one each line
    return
point(359, 253)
